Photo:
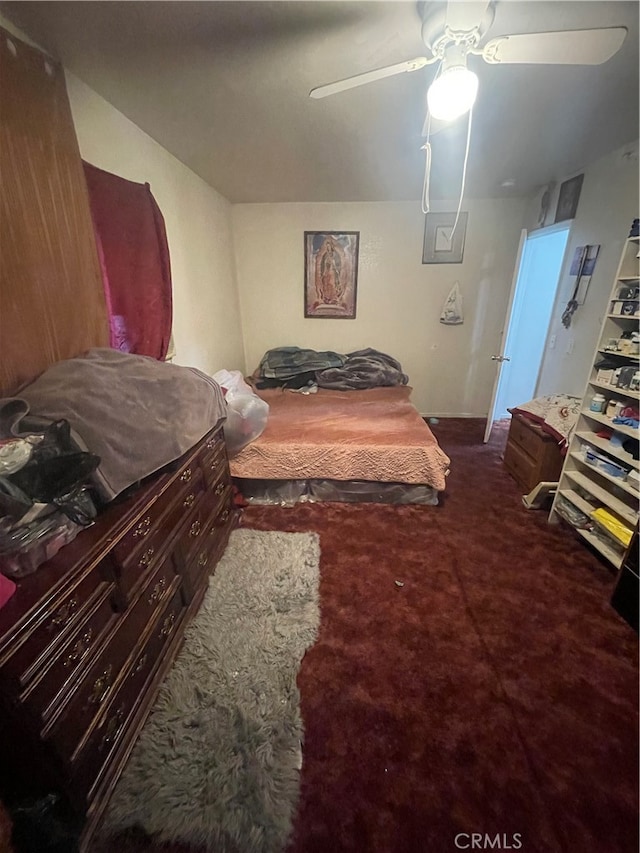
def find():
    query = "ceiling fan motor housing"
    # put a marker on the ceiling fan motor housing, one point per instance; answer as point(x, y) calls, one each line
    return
point(438, 35)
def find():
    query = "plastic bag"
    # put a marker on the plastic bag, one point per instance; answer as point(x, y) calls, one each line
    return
point(247, 413)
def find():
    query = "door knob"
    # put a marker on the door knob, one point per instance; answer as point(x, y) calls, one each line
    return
point(500, 358)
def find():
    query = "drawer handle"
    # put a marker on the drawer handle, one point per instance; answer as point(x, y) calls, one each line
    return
point(157, 591)
point(189, 500)
point(80, 648)
point(195, 528)
point(140, 664)
point(212, 443)
point(219, 489)
point(203, 559)
point(112, 729)
point(146, 558)
point(224, 516)
point(185, 477)
point(101, 686)
point(64, 614)
point(167, 625)
point(143, 528)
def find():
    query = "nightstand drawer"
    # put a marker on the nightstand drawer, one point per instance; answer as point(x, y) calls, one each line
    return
point(527, 436)
point(522, 467)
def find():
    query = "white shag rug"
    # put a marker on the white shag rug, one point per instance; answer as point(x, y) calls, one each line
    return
point(217, 763)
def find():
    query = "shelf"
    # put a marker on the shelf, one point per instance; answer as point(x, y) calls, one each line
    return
point(635, 316)
point(633, 358)
point(633, 240)
point(618, 506)
point(626, 279)
point(618, 481)
point(603, 444)
point(633, 395)
point(613, 556)
point(632, 432)
point(583, 505)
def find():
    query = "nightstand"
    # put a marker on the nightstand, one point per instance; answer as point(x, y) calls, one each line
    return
point(531, 456)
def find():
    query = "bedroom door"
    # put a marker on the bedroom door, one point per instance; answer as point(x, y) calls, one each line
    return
point(501, 357)
point(531, 301)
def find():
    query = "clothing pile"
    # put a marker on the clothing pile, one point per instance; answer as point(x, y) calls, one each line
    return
point(292, 367)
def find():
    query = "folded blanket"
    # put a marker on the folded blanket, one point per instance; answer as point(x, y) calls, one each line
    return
point(285, 362)
point(137, 414)
point(362, 369)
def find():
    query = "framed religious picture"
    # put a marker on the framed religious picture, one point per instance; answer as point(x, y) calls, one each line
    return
point(444, 238)
point(331, 274)
point(568, 198)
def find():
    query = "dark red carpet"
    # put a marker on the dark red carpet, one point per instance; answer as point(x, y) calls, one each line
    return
point(494, 692)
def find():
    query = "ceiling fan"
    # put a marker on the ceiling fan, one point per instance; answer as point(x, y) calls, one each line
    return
point(453, 31)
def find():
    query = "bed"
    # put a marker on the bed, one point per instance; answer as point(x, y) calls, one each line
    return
point(360, 445)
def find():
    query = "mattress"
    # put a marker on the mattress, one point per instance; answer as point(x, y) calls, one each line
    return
point(375, 434)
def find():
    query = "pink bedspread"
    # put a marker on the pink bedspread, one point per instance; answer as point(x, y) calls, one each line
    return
point(376, 434)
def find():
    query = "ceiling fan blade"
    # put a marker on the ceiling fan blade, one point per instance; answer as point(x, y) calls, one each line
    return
point(571, 47)
point(465, 16)
point(370, 77)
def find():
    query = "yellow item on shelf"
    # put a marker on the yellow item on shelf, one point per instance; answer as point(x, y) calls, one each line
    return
point(615, 527)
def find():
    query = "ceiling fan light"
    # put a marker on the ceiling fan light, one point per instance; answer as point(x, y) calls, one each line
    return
point(453, 93)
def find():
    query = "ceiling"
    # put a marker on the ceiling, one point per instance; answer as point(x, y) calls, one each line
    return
point(224, 87)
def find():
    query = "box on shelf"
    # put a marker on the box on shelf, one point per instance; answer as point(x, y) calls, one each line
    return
point(612, 525)
point(603, 463)
point(605, 376)
point(633, 478)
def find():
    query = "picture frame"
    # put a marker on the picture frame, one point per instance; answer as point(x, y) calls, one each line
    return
point(331, 274)
point(568, 198)
point(439, 245)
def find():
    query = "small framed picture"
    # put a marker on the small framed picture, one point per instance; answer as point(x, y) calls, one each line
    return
point(444, 244)
point(569, 198)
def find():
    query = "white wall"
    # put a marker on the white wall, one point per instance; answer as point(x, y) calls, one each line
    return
point(608, 204)
point(206, 327)
point(399, 299)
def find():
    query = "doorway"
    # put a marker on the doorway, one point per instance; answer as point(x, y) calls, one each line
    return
point(527, 323)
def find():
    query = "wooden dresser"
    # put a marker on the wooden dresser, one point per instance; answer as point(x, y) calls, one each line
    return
point(531, 456)
point(86, 640)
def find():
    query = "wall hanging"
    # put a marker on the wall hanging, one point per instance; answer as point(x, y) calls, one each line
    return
point(331, 274)
point(444, 238)
point(568, 198)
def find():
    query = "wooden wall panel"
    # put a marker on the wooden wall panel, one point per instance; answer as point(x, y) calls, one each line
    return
point(52, 303)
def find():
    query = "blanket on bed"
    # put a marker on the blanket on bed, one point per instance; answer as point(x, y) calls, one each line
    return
point(365, 368)
point(294, 367)
point(375, 434)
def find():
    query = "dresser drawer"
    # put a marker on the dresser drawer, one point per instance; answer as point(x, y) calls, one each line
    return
point(106, 735)
point(215, 465)
point(60, 619)
point(69, 729)
point(131, 569)
point(48, 689)
point(212, 448)
point(142, 530)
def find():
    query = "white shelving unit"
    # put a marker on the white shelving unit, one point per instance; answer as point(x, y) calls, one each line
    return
point(585, 485)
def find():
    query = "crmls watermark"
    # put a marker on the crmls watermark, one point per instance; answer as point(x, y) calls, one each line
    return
point(483, 841)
